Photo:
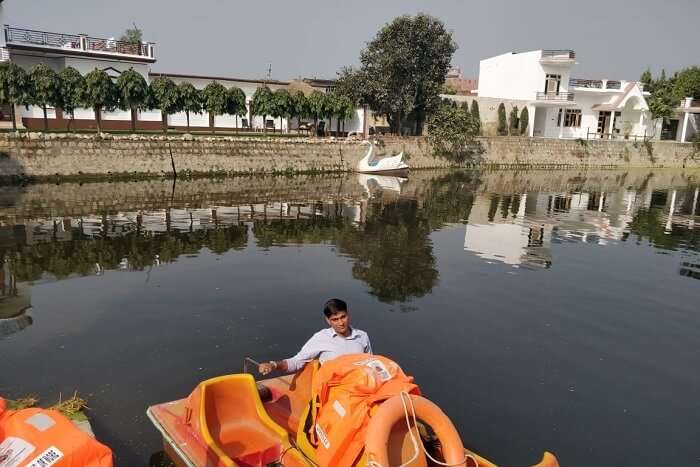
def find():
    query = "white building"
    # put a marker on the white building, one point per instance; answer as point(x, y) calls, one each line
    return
point(560, 106)
point(687, 126)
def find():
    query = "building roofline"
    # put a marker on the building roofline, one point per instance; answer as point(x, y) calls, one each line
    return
point(220, 78)
point(80, 53)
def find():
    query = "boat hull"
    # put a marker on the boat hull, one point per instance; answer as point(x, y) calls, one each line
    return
point(393, 172)
point(284, 400)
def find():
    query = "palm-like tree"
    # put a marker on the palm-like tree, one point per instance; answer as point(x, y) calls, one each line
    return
point(100, 94)
point(72, 87)
point(345, 110)
point(235, 103)
point(283, 105)
point(14, 88)
point(133, 93)
point(316, 107)
point(214, 100)
point(263, 104)
point(300, 106)
point(164, 96)
point(190, 100)
point(45, 89)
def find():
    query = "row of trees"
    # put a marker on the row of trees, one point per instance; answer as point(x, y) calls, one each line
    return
point(69, 90)
point(515, 125)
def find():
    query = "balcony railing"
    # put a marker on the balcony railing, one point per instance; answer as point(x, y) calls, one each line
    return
point(556, 55)
point(555, 97)
point(76, 42)
point(595, 84)
point(586, 83)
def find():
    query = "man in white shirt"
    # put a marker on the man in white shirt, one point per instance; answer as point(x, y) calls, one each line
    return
point(338, 339)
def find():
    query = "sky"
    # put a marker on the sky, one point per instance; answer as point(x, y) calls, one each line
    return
point(613, 39)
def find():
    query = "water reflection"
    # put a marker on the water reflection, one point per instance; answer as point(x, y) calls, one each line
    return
point(15, 302)
point(519, 229)
point(590, 279)
point(385, 233)
point(377, 183)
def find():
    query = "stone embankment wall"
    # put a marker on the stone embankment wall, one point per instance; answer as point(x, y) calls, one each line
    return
point(66, 155)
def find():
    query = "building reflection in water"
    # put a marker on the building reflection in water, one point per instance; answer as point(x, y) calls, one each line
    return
point(385, 231)
point(519, 229)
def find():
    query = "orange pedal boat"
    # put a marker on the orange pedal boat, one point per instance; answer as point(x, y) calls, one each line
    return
point(313, 418)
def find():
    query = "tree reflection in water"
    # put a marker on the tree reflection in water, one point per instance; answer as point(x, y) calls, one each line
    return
point(84, 255)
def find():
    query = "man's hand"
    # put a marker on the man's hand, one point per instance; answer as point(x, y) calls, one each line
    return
point(266, 368)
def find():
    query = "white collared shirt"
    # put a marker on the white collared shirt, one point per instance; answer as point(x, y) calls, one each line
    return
point(326, 344)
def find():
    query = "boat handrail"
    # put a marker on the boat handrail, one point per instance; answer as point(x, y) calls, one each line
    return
point(247, 361)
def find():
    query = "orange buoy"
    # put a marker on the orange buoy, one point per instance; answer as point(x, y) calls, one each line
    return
point(393, 411)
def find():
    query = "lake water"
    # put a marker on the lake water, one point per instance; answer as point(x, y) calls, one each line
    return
point(541, 310)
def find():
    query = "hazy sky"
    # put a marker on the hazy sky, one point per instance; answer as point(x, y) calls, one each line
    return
point(612, 39)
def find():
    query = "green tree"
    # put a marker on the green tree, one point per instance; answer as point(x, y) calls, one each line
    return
point(448, 89)
point(404, 67)
point(524, 121)
point(133, 93)
point(190, 99)
point(513, 121)
point(354, 85)
point(72, 87)
point(687, 84)
point(14, 88)
point(283, 105)
point(661, 102)
point(45, 89)
point(100, 94)
point(214, 101)
point(132, 36)
point(646, 79)
point(263, 104)
point(316, 106)
point(300, 106)
point(330, 105)
point(236, 103)
point(164, 95)
point(451, 132)
point(476, 117)
point(344, 110)
point(502, 123)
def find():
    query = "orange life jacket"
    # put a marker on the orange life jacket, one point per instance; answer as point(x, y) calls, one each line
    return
point(344, 392)
point(42, 438)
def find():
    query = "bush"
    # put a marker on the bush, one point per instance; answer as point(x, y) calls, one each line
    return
point(476, 117)
point(451, 132)
point(513, 121)
point(524, 120)
point(502, 124)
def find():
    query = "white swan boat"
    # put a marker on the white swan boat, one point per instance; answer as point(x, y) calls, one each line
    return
point(387, 165)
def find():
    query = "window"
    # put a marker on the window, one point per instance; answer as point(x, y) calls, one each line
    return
point(572, 118)
point(551, 84)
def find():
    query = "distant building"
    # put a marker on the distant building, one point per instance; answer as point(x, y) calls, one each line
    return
point(464, 87)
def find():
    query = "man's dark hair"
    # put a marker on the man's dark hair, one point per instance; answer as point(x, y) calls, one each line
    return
point(333, 306)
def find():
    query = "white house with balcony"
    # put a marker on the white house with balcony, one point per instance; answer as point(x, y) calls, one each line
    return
point(560, 106)
point(28, 48)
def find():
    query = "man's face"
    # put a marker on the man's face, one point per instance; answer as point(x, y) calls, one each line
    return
point(340, 322)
